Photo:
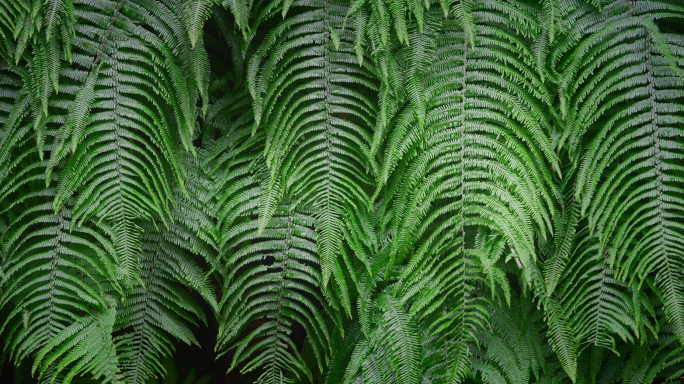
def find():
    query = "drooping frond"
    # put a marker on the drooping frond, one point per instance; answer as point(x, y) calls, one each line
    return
point(515, 351)
point(271, 277)
point(627, 93)
point(391, 352)
point(600, 308)
point(313, 101)
point(88, 344)
point(659, 360)
point(383, 19)
point(342, 349)
point(118, 126)
point(469, 152)
point(161, 310)
point(469, 126)
point(53, 270)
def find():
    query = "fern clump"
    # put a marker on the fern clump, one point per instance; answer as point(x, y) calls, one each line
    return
point(342, 191)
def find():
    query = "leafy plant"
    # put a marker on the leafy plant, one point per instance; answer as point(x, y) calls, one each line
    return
point(331, 191)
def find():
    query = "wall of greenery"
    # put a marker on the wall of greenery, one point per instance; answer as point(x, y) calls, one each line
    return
point(342, 191)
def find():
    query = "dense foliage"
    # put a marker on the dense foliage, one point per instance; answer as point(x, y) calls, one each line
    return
point(345, 191)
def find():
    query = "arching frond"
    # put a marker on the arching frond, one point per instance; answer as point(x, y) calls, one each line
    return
point(285, 290)
point(629, 178)
point(271, 277)
point(88, 344)
point(55, 274)
point(516, 351)
point(313, 102)
point(118, 126)
point(161, 310)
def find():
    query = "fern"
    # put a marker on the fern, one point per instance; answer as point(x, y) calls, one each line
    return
point(161, 311)
point(53, 272)
point(88, 344)
point(635, 207)
point(342, 191)
point(312, 151)
point(282, 290)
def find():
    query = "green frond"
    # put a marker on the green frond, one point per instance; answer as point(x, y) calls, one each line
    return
point(627, 177)
point(311, 101)
point(602, 309)
point(161, 310)
point(54, 272)
point(560, 332)
point(158, 312)
point(196, 13)
point(284, 291)
point(88, 344)
point(343, 349)
point(515, 350)
point(271, 280)
point(124, 154)
point(392, 350)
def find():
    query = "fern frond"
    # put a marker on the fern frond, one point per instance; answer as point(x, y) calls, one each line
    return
point(158, 312)
point(515, 350)
point(54, 272)
point(270, 276)
point(278, 291)
point(627, 181)
point(88, 344)
point(602, 309)
point(312, 101)
point(161, 310)
point(123, 157)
